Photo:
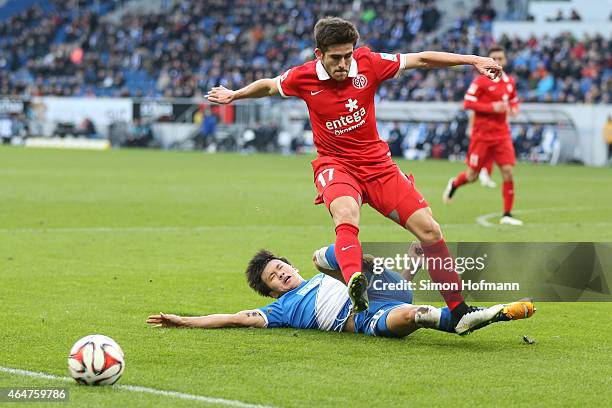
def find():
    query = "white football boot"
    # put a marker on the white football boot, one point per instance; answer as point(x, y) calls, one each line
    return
point(486, 180)
point(509, 220)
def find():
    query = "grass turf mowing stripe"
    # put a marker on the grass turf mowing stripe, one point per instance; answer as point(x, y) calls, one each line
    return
point(137, 388)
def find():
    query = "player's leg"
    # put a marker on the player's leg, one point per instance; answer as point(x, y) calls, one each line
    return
point(342, 195)
point(398, 322)
point(384, 320)
point(508, 196)
point(402, 320)
point(345, 213)
point(476, 158)
point(422, 225)
point(379, 278)
point(505, 159)
point(397, 198)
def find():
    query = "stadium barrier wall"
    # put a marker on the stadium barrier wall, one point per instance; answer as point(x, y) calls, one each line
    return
point(44, 113)
point(588, 121)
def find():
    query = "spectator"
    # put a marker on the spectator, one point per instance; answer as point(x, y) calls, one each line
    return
point(484, 12)
point(607, 134)
point(575, 16)
point(140, 134)
point(208, 129)
point(395, 140)
point(558, 17)
point(194, 45)
point(87, 128)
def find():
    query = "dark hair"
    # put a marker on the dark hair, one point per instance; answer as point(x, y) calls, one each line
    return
point(256, 266)
point(334, 30)
point(495, 48)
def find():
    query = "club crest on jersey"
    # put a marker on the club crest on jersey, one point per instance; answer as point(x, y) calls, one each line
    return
point(360, 81)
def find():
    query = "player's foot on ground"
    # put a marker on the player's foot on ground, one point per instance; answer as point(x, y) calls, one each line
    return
point(447, 195)
point(508, 219)
point(521, 309)
point(358, 292)
point(486, 180)
point(477, 318)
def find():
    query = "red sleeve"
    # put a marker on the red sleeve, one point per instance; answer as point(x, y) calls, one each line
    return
point(471, 99)
point(287, 83)
point(386, 66)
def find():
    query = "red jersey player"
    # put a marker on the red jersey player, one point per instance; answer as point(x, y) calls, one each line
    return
point(491, 100)
point(354, 165)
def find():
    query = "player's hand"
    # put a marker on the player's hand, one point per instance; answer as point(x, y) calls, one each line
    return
point(165, 320)
point(221, 95)
point(514, 111)
point(500, 106)
point(487, 66)
point(417, 257)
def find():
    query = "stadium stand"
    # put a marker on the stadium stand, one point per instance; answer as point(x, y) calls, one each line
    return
point(181, 48)
point(70, 48)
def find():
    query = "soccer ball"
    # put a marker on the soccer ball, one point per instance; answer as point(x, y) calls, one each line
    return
point(96, 360)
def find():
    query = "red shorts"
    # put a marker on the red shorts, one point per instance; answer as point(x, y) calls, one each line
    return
point(392, 193)
point(481, 151)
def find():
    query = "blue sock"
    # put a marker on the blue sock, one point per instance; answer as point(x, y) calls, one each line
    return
point(330, 255)
point(446, 321)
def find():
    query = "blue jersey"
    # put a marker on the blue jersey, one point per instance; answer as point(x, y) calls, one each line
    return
point(321, 302)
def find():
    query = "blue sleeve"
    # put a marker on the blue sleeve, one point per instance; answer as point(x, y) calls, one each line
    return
point(274, 314)
point(330, 255)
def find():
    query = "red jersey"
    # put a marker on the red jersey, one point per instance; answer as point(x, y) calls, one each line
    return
point(490, 125)
point(342, 113)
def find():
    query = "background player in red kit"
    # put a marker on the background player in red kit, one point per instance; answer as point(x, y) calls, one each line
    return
point(354, 165)
point(491, 100)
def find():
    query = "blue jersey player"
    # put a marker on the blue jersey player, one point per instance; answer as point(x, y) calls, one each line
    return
point(322, 302)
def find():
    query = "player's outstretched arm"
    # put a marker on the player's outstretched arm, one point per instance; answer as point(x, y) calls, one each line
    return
point(258, 89)
point(245, 318)
point(434, 59)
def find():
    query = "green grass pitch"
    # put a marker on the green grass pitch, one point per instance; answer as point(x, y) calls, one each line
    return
point(93, 242)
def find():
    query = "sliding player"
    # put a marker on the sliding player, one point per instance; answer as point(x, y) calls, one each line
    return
point(322, 303)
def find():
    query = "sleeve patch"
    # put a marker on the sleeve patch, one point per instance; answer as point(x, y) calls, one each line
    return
point(388, 57)
point(472, 89)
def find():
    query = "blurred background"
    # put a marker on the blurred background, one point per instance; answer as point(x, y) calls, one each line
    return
point(119, 73)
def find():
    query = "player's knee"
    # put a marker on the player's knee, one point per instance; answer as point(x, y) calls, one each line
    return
point(506, 172)
point(345, 214)
point(406, 315)
point(430, 232)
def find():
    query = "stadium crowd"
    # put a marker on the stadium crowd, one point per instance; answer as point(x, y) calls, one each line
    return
point(70, 48)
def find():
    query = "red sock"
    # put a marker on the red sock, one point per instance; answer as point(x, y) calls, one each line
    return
point(460, 180)
point(348, 250)
point(508, 193)
point(489, 168)
point(441, 272)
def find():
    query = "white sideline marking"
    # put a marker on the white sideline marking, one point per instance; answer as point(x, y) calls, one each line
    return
point(484, 219)
point(136, 388)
